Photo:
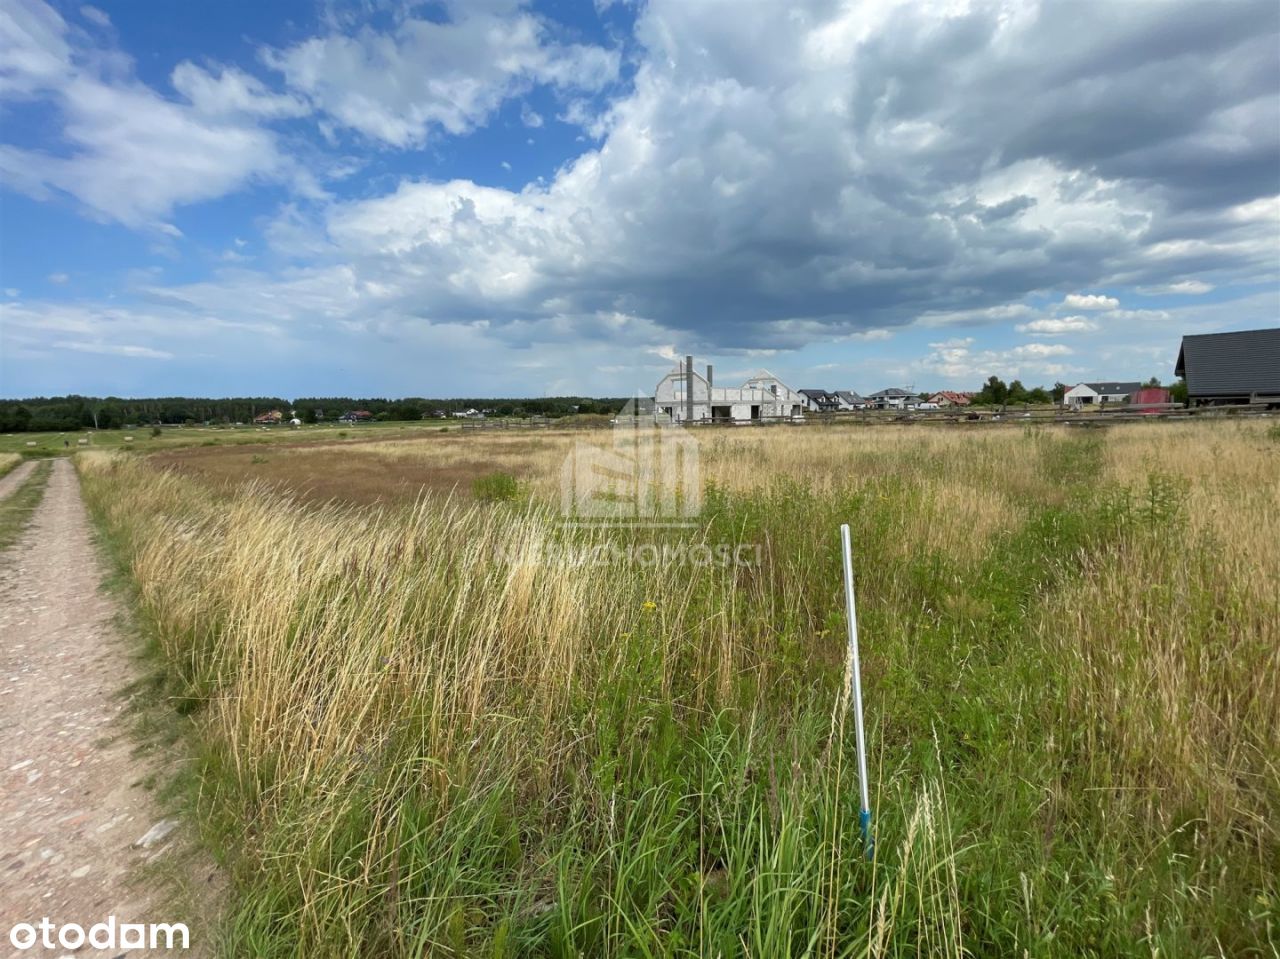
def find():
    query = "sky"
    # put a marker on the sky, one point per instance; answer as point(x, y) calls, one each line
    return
point(496, 198)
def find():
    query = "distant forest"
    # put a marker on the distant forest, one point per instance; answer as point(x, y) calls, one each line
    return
point(46, 413)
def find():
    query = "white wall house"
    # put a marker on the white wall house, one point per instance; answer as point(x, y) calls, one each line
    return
point(1098, 394)
point(894, 399)
point(763, 396)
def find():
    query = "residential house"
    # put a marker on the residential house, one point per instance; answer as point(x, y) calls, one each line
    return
point(1241, 367)
point(1099, 394)
point(270, 418)
point(894, 399)
point(355, 416)
point(945, 398)
point(822, 401)
point(687, 396)
point(849, 400)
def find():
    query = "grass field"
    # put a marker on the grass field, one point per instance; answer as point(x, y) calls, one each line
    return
point(417, 733)
point(144, 439)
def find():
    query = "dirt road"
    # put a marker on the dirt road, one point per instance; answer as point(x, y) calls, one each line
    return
point(71, 809)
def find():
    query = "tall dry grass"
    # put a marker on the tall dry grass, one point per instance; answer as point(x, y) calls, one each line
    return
point(418, 737)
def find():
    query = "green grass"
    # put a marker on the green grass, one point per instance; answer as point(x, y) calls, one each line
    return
point(495, 487)
point(386, 774)
point(17, 508)
point(174, 437)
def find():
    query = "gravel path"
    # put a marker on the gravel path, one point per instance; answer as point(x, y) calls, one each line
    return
point(14, 478)
point(70, 810)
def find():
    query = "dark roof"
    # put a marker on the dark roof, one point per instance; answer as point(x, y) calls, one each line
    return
point(891, 391)
point(1112, 388)
point(1230, 364)
point(849, 396)
point(816, 394)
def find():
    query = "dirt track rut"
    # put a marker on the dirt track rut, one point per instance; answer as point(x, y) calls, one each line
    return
point(15, 477)
point(71, 807)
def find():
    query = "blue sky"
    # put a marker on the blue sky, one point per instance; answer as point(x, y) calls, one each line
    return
point(503, 198)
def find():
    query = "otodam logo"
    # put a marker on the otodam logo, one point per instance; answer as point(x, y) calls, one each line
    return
point(108, 934)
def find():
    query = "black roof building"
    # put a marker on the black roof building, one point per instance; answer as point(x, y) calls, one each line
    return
point(822, 399)
point(1231, 367)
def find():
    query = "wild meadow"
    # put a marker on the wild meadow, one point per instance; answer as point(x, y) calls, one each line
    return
point(422, 726)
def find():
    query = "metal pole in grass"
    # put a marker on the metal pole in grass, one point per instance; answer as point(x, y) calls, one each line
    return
point(855, 681)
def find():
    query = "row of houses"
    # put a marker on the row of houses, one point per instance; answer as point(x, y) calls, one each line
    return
point(688, 396)
point(1217, 368)
point(893, 398)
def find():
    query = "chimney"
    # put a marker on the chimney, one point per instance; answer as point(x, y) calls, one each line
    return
point(688, 389)
point(708, 380)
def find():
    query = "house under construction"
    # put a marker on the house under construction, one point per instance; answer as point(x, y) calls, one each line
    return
point(689, 397)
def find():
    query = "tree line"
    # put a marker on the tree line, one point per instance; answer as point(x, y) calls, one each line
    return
point(63, 413)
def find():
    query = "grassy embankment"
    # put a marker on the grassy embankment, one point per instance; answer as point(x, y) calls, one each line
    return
point(1071, 656)
point(17, 507)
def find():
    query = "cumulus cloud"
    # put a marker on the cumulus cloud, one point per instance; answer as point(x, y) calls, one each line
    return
point(1058, 326)
point(59, 279)
point(957, 359)
point(857, 170)
point(129, 154)
point(755, 184)
point(397, 86)
point(232, 92)
point(1089, 301)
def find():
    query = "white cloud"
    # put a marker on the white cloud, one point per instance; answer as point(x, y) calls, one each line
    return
point(114, 349)
point(232, 92)
point(957, 360)
point(1058, 326)
point(94, 15)
point(397, 87)
point(806, 175)
point(1089, 301)
point(131, 155)
point(530, 117)
point(58, 279)
point(1180, 288)
point(979, 317)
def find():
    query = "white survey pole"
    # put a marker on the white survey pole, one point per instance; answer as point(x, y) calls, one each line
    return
point(855, 682)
